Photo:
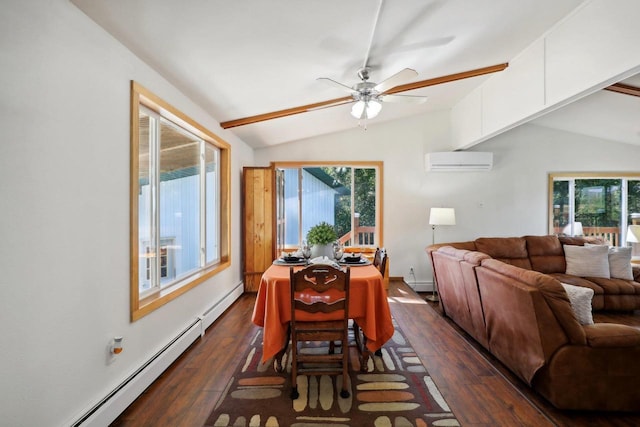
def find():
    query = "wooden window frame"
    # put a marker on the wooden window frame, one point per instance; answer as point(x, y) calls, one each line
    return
point(142, 307)
point(569, 176)
point(359, 164)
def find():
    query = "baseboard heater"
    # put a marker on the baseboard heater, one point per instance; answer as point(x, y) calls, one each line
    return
point(112, 405)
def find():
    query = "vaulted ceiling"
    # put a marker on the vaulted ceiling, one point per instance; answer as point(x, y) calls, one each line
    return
point(243, 58)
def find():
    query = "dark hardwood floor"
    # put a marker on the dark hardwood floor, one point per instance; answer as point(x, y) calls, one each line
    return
point(479, 390)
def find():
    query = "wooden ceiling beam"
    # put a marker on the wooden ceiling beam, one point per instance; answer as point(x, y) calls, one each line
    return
point(450, 78)
point(284, 113)
point(339, 101)
point(624, 88)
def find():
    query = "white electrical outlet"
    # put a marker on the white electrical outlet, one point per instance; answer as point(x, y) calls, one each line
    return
point(411, 270)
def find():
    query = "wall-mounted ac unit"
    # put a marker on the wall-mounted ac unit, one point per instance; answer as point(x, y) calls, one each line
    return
point(458, 161)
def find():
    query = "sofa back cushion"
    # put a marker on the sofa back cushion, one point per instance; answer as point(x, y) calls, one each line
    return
point(510, 250)
point(546, 254)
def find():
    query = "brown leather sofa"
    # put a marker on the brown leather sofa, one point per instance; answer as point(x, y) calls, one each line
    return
point(507, 294)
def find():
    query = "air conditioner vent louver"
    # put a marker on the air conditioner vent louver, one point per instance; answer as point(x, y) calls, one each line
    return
point(458, 161)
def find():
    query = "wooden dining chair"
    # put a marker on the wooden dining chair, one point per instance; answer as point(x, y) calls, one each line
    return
point(320, 313)
point(379, 262)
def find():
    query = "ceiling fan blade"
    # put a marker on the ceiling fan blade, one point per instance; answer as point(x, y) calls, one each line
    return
point(336, 84)
point(284, 113)
point(408, 99)
point(338, 101)
point(396, 79)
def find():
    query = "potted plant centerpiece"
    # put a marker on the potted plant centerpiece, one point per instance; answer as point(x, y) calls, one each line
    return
point(321, 237)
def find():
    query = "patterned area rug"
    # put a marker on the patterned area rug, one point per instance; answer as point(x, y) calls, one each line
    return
point(395, 391)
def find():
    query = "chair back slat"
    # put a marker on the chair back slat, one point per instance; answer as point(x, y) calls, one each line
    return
point(319, 289)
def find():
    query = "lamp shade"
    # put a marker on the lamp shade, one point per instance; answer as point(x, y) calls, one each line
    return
point(576, 231)
point(633, 234)
point(442, 216)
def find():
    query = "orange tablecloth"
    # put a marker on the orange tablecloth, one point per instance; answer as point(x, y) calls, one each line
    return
point(368, 306)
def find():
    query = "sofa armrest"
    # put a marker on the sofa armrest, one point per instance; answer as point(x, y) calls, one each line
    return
point(636, 272)
point(612, 335)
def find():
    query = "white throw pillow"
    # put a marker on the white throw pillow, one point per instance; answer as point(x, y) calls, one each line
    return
point(587, 261)
point(619, 262)
point(580, 299)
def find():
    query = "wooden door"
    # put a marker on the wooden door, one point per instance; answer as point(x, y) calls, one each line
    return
point(259, 239)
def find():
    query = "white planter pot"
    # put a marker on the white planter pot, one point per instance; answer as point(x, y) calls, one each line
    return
point(322, 250)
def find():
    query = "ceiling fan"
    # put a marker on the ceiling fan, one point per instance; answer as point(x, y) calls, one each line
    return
point(367, 96)
point(347, 99)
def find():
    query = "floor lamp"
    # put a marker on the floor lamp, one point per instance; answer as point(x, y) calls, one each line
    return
point(439, 216)
point(633, 237)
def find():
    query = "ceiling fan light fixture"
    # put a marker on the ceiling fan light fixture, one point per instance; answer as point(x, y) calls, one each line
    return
point(366, 109)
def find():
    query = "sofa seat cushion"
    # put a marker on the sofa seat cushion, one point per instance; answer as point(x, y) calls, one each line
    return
point(621, 302)
point(616, 286)
point(510, 250)
point(546, 254)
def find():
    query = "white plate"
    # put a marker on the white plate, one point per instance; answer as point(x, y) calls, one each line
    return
point(283, 262)
point(363, 261)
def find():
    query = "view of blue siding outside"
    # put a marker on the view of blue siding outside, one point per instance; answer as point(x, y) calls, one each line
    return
point(179, 228)
point(318, 204)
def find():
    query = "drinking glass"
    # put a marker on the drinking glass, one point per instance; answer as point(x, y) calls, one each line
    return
point(306, 251)
point(338, 251)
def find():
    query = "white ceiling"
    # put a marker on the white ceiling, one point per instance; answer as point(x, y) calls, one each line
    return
point(608, 115)
point(242, 58)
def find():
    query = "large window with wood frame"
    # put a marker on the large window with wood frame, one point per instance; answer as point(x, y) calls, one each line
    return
point(594, 204)
point(345, 195)
point(179, 203)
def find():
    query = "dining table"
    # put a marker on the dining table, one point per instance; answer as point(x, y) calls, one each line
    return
point(368, 307)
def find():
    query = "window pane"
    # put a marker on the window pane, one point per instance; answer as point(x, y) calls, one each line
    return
point(146, 249)
point(320, 196)
point(291, 208)
point(598, 204)
point(212, 189)
point(365, 206)
point(341, 179)
point(179, 200)
point(339, 195)
point(561, 207)
point(633, 202)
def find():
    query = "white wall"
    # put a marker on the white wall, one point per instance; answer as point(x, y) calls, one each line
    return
point(511, 200)
point(64, 222)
